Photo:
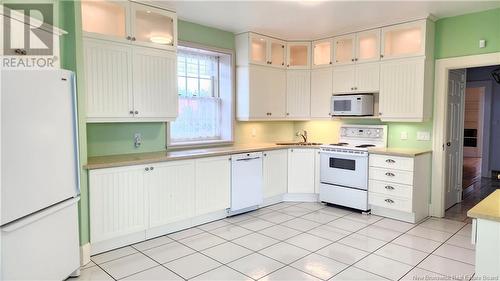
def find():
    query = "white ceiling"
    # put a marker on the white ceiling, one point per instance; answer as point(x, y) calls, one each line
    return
point(313, 19)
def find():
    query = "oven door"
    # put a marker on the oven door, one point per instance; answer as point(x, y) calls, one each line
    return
point(344, 169)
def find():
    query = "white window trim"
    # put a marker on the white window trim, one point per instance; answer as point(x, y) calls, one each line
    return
point(208, 143)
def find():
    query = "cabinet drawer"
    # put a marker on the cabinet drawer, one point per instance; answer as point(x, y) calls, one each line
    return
point(393, 162)
point(390, 202)
point(390, 188)
point(391, 175)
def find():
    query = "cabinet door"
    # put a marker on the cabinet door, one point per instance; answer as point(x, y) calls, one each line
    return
point(275, 172)
point(343, 79)
point(298, 55)
point(276, 94)
point(117, 202)
point(153, 27)
point(258, 91)
point(298, 94)
point(321, 92)
point(276, 53)
point(106, 20)
point(367, 77)
point(155, 84)
point(322, 53)
point(404, 40)
point(258, 49)
point(344, 49)
point(402, 89)
point(213, 184)
point(301, 170)
point(171, 188)
point(368, 46)
point(108, 79)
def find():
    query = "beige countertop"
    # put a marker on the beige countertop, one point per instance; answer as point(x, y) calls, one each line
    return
point(100, 162)
point(488, 208)
point(394, 151)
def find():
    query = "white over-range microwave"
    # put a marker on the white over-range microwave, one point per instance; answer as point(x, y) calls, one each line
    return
point(352, 105)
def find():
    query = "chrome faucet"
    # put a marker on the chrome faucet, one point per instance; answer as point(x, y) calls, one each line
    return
point(303, 135)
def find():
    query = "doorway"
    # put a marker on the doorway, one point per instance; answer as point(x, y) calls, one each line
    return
point(472, 122)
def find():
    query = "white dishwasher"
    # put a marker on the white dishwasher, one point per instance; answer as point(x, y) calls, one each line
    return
point(246, 182)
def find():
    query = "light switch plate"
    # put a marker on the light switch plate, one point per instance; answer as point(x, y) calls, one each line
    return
point(423, 136)
point(482, 43)
point(403, 136)
point(254, 132)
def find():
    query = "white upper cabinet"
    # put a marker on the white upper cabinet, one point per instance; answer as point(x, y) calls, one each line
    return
point(131, 22)
point(276, 53)
point(344, 79)
point(321, 92)
point(367, 46)
point(344, 49)
point(258, 49)
point(358, 78)
point(405, 40)
point(322, 53)
point(298, 55)
point(298, 94)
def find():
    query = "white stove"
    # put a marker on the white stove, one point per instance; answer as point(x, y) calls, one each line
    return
point(344, 165)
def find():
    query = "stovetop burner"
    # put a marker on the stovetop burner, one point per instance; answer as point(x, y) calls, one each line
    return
point(365, 145)
point(340, 144)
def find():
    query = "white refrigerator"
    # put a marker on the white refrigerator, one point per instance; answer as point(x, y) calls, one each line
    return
point(39, 175)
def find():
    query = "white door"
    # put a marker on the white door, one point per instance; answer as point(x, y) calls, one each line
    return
point(108, 79)
point(275, 172)
point(343, 79)
point(171, 187)
point(298, 94)
point(321, 92)
point(301, 170)
point(155, 84)
point(454, 144)
point(117, 202)
point(367, 77)
point(213, 184)
point(298, 55)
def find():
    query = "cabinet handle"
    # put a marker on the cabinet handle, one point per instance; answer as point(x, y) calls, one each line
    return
point(380, 113)
point(389, 201)
point(152, 168)
point(356, 59)
point(352, 59)
point(128, 38)
point(136, 112)
point(133, 38)
point(147, 168)
point(389, 174)
point(287, 114)
point(388, 187)
point(381, 55)
point(265, 154)
point(131, 112)
point(330, 63)
point(355, 88)
point(287, 65)
point(390, 161)
point(282, 63)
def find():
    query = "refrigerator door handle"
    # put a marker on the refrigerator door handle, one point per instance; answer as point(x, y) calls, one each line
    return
point(38, 215)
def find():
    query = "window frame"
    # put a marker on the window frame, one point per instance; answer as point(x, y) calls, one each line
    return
point(228, 110)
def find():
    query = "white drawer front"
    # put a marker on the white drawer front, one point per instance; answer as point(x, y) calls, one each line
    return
point(391, 175)
point(391, 189)
point(390, 202)
point(392, 162)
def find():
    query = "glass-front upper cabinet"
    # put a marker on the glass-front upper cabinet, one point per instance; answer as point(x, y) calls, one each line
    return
point(343, 49)
point(258, 49)
point(403, 40)
point(276, 53)
point(298, 55)
point(322, 53)
point(106, 19)
point(368, 46)
point(153, 27)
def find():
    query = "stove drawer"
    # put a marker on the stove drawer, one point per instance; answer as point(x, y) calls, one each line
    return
point(391, 175)
point(389, 202)
point(391, 189)
point(391, 162)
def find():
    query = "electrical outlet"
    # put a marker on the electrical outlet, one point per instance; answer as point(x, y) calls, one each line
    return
point(403, 136)
point(137, 140)
point(424, 136)
point(253, 132)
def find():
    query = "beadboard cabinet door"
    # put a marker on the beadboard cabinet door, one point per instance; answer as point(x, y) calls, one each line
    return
point(171, 192)
point(108, 80)
point(213, 184)
point(298, 94)
point(155, 83)
point(275, 172)
point(367, 77)
point(117, 202)
point(301, 171)
point(321, 92)
point(344, 79)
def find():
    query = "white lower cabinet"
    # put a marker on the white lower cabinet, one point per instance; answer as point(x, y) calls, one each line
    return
point(301, 170)
point(213, 184)
point(275, 172)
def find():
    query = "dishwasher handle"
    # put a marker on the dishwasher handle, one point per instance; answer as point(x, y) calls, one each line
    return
point(248, 159)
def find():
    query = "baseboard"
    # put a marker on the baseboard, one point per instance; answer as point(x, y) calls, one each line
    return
point(84, 254)
point(301, 197)
point(272, 200)
point(394, 214)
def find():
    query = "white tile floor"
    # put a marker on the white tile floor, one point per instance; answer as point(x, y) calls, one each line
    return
point(296, 241)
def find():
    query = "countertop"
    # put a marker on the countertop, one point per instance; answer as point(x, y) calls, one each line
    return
point(404, 152)
point(101, 162)
point(488, 208)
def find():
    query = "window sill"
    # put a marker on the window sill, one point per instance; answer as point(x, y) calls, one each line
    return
point(198, 144)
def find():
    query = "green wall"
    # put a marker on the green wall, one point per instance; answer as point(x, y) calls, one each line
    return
point(460, 35)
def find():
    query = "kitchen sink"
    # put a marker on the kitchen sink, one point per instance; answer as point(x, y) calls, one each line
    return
point(299, 143)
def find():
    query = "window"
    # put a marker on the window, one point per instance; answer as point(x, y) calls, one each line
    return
point(205, 94)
